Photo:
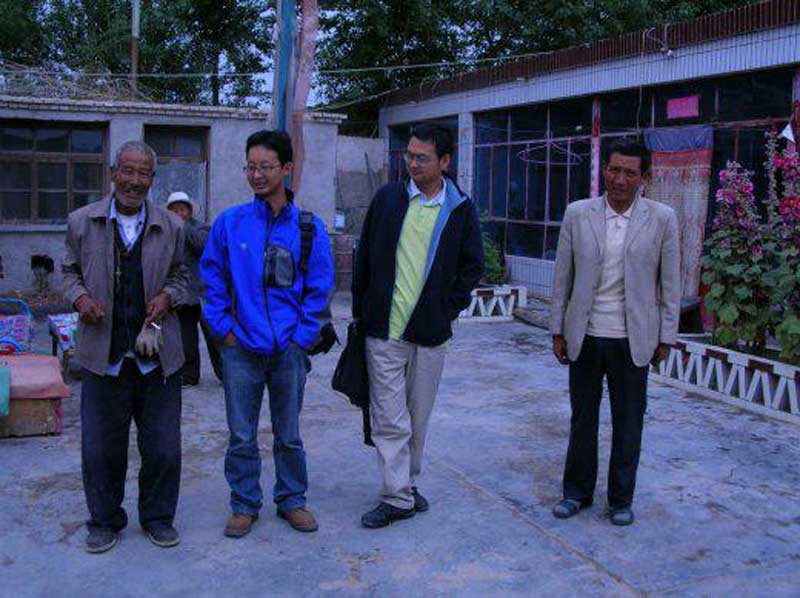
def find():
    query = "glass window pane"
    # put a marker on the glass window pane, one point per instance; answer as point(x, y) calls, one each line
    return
point(496, 230)
point(580, 174)
point(537, 181)
point(525, 239)
point(399, 136)
point(551, 243)
point(571, 118)
point(82, 199)
point(516, 187)
point(87, 176)
point(53, 206)
point(619, 111)
point(189, 144)
point(482, 179)
point(160, 141)
point(15, 175)
point(558, 186)
point(491, 127)
point(756, 95)
point(15, 205)
point(16, 139)
point(499, 181)
point(87, 141)
point(52, 175)
point(529, 123)
point(52, 140)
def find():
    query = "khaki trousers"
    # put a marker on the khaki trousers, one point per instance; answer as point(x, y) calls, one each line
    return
point(403, 380)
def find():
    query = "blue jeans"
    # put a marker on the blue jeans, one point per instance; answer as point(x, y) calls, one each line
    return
point(244, 377)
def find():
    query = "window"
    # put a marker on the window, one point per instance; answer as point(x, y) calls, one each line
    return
point(49, 169)
point(182, 162)
point(529, 164)
point(756, 95)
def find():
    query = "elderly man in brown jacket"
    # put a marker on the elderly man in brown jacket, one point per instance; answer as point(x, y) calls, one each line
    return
point(123, 272)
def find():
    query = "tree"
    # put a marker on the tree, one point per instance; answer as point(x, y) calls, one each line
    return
point(365, 33)
point(217, 37)
point(20, 35)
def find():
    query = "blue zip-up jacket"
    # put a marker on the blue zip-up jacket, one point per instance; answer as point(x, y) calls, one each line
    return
point(265, 317)
point(453, 267)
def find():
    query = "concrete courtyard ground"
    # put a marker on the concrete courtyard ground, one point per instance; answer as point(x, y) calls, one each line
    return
point(717, 499)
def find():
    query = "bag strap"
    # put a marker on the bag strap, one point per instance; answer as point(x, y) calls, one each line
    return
point(307, 232)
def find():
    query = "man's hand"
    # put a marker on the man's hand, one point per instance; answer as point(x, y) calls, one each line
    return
point(157, 308)
point(89, 310)
point(661, 353)
point(230, 339)
point(560, 349)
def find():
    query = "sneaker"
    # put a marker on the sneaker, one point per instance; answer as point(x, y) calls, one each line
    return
point(384, 514)
point(300, 519)
point(420, 502)
point(101, 540)
point(163, 536)
point(239, 525)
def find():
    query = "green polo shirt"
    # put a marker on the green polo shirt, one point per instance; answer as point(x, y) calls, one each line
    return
point(412, 255)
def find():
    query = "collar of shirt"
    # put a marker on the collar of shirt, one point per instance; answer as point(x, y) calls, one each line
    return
point(437, 199)
point(114, 215)
point(611, 213)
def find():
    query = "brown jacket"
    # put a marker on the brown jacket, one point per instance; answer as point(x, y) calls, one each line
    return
point(88, 267)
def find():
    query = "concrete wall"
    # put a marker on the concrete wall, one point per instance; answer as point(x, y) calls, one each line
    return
point(361, 169)
point(226, 184)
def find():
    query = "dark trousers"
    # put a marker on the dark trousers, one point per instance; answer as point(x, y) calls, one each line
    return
point(108, 403)
point(190, 316)
point(627, 387)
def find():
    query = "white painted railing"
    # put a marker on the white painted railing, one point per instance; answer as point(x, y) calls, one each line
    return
point(755, 383)
point(494, 304)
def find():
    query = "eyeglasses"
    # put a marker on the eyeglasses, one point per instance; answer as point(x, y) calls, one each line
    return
point(421, 159)
point(252, 169)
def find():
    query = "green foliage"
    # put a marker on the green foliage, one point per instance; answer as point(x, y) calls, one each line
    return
point(359, 33)
point(177, 36)
point(494, 269)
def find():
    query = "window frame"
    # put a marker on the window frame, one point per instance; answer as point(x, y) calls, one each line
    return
point(70, 158)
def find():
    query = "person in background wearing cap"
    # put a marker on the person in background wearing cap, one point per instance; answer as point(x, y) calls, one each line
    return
point(189, 312)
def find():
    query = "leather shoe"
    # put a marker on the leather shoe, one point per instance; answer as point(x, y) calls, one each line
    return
point(420, 502)
point(621, 515)
point(240, 525)
point(100, 540)
point(568, 507)
point(164, 536)
point(300, 519)
point(385, 514)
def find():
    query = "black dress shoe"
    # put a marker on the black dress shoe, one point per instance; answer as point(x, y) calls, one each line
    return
point(163, 536)
point(621, 515)
point(384, 514)
point(100, 540)
point(569, 507)
point(420, 502)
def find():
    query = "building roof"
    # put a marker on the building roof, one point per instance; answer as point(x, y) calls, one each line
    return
point(771, 14)
point(13, 102)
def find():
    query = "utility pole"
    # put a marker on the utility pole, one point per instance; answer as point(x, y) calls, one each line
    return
point(134, 46)
point(283, 81)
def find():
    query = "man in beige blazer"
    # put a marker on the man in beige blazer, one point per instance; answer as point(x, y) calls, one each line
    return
point(616, 302)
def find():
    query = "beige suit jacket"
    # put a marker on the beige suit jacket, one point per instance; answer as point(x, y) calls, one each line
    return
point(652, 275)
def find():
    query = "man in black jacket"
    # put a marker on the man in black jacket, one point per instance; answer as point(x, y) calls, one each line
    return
point(419, 258)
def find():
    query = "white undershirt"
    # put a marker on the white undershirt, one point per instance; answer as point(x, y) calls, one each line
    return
point(129, 226)
point(607, 318)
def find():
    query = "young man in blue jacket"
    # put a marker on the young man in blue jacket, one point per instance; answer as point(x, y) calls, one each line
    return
point(420, 256)
point(266, 310)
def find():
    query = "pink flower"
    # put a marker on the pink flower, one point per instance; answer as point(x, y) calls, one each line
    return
point(757, 251)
